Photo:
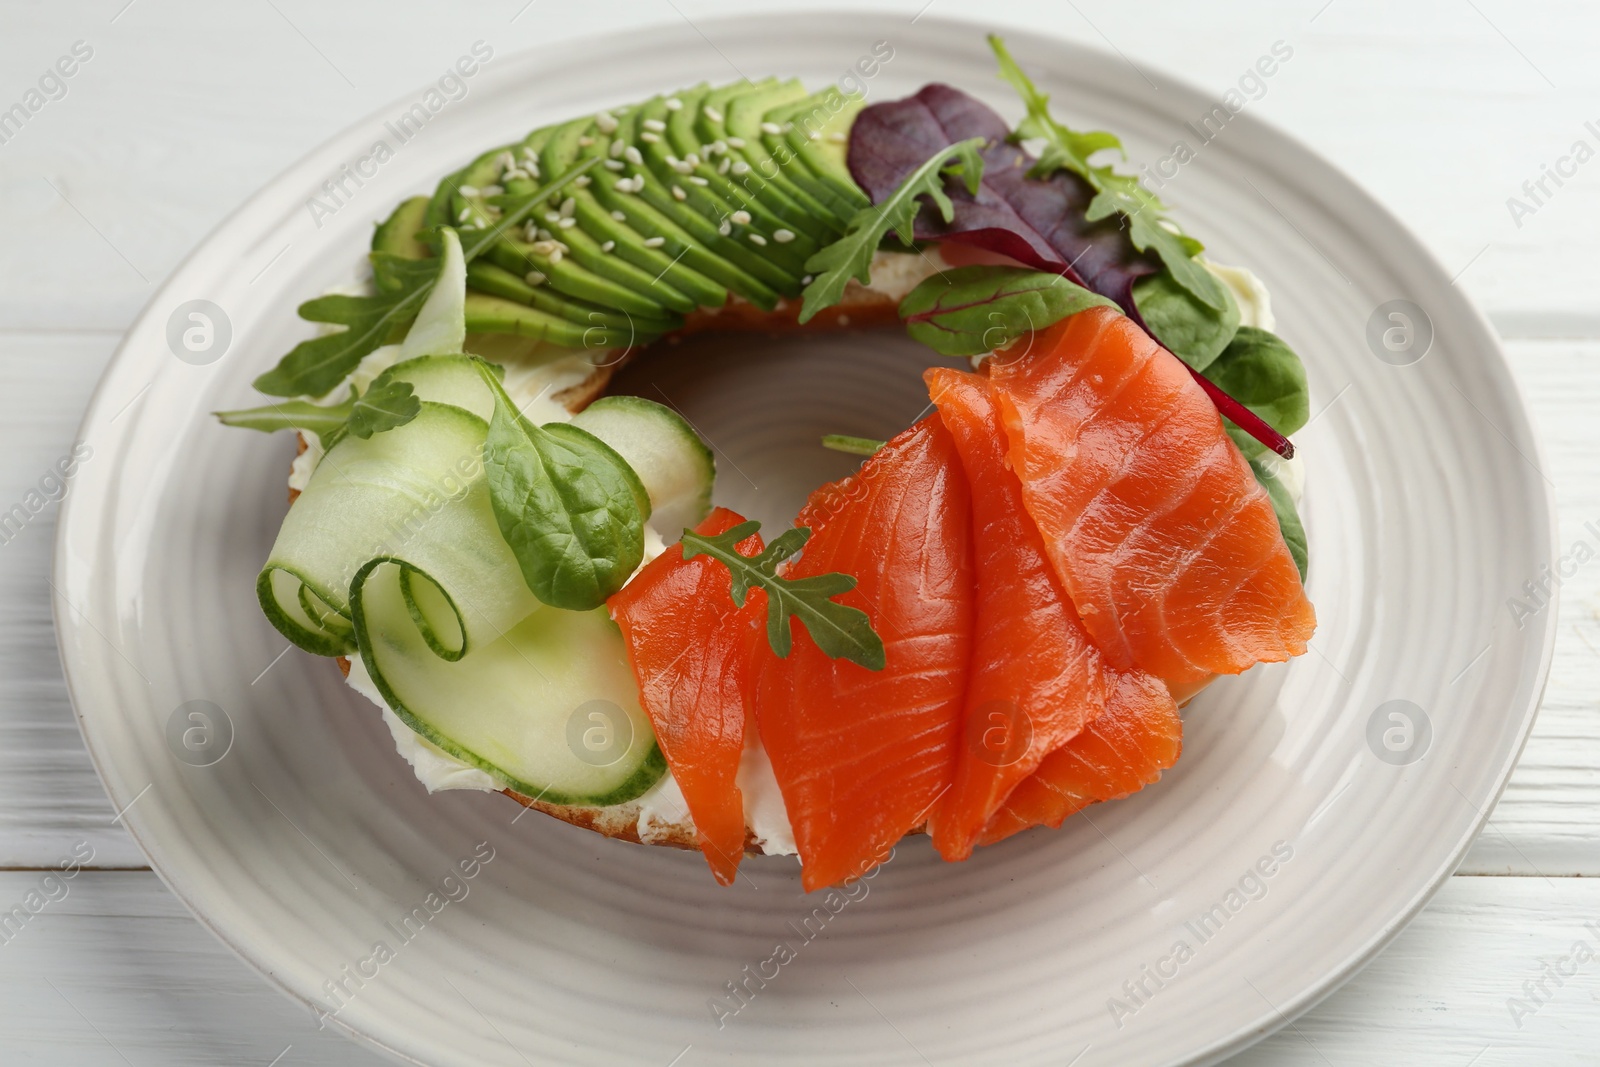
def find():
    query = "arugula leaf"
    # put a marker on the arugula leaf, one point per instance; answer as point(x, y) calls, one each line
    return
point(321, 420)
point(1264, 374)
point(839, 630)
point(315, 366)
point(389, 403)
point(1293, 530)
point(851, 255)
point(1068, 149)
point(1187, 328)
point(570, 508)
point(972, 310)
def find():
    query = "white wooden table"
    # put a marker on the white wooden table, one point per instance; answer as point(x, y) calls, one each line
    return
point(1443, 109)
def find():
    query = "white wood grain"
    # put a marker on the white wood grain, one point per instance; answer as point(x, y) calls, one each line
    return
point(117, 968)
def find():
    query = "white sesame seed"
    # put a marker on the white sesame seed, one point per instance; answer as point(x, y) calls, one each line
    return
point(618, 147)
point(726, 228)
point(506, 159)
point(757, 239)
point(493, 211)
point(741, 217)
point(568, 206)
point(692, 159)
point(462, 216)
point(711, 113)
point(608, 246)
point(469, 190)
point(698, 180)
point(650, 138)
point(683, 166)
point(783, 237)
point(807, 279)
point(533, 168)
point(515, 175)
point(654, 125)
point(741, 167)
point(612, 164)
point(567, 223)
point(606, 122)
point(619, 216)
point(555, 257)
point(727, 161)
point(552, 216)
point(679, 194)
point(720, 145)
point(585, 141)
point(736, 142)
point(530, 234)
point(654, 242)
point(534, 277)
point(543, 234)
point(632, 155)
point(581, 181)
point(493, 190)
point(543, 248)
point(674, 104)
point(771, 127)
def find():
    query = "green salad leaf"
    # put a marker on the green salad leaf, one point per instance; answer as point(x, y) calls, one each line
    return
point(389, 403)
point(1115, 194)
point(1293, 530)
point(1264, 374)
point(851, 255)
point(570, 508)
point(401, 285)
point(839, 630)
point(1187, 328)
point(972, 310)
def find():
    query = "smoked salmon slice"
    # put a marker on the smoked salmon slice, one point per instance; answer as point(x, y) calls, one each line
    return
point(1125, 749)
point(1162, 538)
point(861, 756)
point(1036, 678)
point(688, 646)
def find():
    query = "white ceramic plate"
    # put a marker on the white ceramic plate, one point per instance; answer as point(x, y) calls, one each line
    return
point(306, 843)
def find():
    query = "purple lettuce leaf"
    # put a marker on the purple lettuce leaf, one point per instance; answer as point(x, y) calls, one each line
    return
point(1039, 222)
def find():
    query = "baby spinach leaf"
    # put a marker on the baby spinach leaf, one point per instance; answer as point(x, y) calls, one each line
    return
point(839, 630)
point(570, 508)
point(1185, 326)
point(1294, 532)
point(1261, 372)
point(401, 285)
point(972, 310)
point(851, 255)
point(1115, 194)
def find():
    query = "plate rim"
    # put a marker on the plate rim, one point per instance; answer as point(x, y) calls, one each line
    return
point(1030, 37)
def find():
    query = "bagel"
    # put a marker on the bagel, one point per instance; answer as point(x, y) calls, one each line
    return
point(560, 333)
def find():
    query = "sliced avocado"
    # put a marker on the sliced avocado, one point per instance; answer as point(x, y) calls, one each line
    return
point(814, 130)
point(397, 234)
point(559, 154)
point(563, 272)
point(700, 229)
point(494, 314)
point(743, 113)
point(648, 223)
point(709, 126)
point(497, 281)
point(716, 196)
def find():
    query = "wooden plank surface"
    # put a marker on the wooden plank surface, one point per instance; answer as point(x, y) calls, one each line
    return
point(1441, 108)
